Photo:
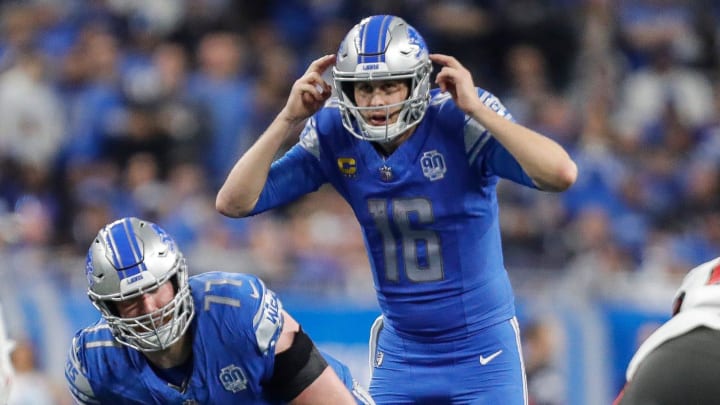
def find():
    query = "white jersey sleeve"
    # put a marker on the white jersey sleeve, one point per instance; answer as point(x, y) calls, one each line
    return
point(268, 320)
point(77, 381)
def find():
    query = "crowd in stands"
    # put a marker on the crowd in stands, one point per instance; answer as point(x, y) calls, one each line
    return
point(111, 108)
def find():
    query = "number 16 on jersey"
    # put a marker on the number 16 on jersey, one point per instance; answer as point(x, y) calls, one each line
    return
point(418, 250)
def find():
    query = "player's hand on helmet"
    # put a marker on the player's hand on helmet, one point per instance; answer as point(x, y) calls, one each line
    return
point(457, 80)
point(310, 92)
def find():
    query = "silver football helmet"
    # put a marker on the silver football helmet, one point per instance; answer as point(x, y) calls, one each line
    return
point(131, 257)
point(382, 47)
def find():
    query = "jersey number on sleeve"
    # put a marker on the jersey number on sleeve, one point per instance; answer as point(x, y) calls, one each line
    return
point(420, 248)
point(219, 299)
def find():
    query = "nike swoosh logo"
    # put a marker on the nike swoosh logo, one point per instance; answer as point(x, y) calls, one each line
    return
point(485, 360)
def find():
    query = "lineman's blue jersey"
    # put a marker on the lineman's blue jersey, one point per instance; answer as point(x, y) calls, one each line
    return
point(428, 212)
point(236, 326)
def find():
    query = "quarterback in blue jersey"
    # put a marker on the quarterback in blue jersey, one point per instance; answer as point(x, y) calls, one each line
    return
point(419, 168)
point(214, 338)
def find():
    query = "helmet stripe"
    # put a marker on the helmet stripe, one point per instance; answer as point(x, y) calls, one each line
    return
point(363, 40)
point(373, 37)
point(125, 250)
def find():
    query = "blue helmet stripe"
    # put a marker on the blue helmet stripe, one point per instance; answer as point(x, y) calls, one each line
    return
point(373, 36)
point(361, 44)
point(125, 249)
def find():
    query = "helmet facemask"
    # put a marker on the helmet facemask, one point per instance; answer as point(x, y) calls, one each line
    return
point(151, 258)
point(382, 48)
point(157, 330)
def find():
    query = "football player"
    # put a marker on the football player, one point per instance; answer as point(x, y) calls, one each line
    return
point(166, 338)
point(677, 364)
point(419, 168)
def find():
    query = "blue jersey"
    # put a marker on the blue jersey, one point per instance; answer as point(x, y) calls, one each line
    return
point(428, 212)
point(236, 326)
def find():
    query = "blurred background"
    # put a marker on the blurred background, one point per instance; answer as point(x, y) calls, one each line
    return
point(111, 108)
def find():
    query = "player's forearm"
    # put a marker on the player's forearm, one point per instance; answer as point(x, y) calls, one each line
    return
point(545, 161)
point(241, 190)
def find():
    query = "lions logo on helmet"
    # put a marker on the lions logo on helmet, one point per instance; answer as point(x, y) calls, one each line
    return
point(382, 47)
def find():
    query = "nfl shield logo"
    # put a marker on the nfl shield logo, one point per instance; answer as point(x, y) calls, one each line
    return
point(233, 378)
point(386, 173)
point(433, 165)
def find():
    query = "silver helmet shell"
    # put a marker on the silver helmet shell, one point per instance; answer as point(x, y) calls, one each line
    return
point(131, 257)
point(382, 47)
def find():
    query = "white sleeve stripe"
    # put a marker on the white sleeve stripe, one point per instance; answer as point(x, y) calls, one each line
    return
point(259, 312)
point(102, 343)
point(82, 397)
point(476, 136)
point(494, 103)
point(78, 383)
point(440, 98)
point(309, 138)
point(96, 328)
point(473, 156)
point(268, 319)
point(472, 131)
point(74, 349)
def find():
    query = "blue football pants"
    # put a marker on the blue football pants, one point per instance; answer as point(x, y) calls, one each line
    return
point(485, 368)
